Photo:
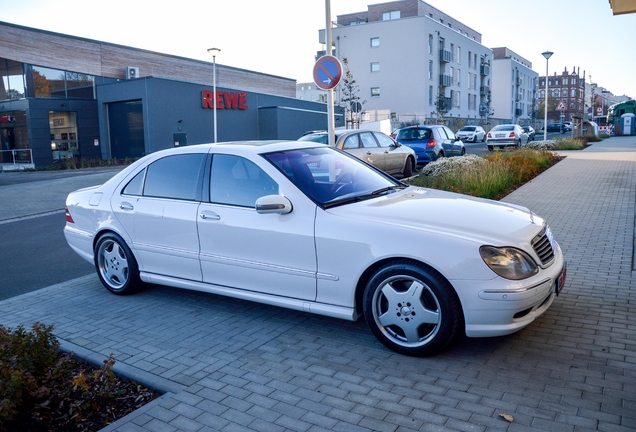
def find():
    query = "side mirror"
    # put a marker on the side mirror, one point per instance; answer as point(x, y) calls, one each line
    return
point(277, 204)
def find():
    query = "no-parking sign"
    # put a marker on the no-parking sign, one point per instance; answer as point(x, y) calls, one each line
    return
point(327, 72)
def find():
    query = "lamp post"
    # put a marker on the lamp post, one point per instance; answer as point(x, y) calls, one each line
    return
point(213, 52)
point(547, 56)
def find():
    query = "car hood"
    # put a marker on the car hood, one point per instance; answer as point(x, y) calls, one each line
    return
point(474, 219)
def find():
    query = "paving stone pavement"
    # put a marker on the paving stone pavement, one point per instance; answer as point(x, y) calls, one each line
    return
point(232, 365)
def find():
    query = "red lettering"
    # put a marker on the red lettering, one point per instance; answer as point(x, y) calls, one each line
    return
point(220, 103)
point(231, 100)
point(207, 99)
point(224, 100)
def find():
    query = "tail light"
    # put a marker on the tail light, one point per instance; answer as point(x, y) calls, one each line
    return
point(69, 218)
point(512, 134)
point(489, 135)
point(430, 143)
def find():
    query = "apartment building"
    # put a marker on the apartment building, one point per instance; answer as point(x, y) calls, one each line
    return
point(514, 95)
point(569, 89)
point(407, 57)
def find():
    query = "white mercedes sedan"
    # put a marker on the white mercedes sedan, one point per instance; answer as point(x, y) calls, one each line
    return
point(312, 228)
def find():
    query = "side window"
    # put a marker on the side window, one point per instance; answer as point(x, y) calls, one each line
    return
point(367, 140)
point(449, 133)
point(384, 140)
point(136, 185)
point(239, 182)
point(175, 177)
point(351, 142)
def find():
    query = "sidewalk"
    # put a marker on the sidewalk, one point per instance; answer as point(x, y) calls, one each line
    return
point(231, 365)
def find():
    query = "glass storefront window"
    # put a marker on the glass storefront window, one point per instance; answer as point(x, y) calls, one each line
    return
point(12, 83)
point(49, 82)
point(63, 129)
point(80, 86)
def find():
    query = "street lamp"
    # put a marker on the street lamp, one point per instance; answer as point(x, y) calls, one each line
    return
point(213, 52)
point(547, 56)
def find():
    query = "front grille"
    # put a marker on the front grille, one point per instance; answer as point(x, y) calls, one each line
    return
point(542, 245)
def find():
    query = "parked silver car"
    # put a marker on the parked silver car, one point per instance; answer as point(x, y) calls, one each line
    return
point(471, 134)
point(506, 135)
point(373, 147)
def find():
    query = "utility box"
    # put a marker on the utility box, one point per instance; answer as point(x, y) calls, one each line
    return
point(627, 124)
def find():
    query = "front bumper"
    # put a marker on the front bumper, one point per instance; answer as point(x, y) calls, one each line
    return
point(499, 307)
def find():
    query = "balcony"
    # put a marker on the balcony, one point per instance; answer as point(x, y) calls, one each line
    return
point(445, 56)
point(445, 80)
point(484, 90)
point(485, 69)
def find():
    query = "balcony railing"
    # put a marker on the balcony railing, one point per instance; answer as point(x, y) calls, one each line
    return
point(445, 80)
point(445, 56)
point(483, 90)
point(485, 70)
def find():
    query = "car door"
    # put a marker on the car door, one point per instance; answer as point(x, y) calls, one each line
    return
point(453, 144)
point(394, 156)
point(158, 210)
point(364, 146)
point(241, 248)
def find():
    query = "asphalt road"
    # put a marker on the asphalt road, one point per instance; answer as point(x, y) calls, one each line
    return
point(35, 255)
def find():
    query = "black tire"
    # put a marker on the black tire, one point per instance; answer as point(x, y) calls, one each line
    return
point(483, 139)
point(440, 155)
point(116, 265)
point(408, 168)
point(490, 148)
point(411, 309)
point(463, 152)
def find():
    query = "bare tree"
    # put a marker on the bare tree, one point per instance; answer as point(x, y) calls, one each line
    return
point(350, 99)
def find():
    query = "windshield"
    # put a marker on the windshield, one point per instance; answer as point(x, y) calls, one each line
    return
point(331, 177)
point(321, 138)
point(468, 129)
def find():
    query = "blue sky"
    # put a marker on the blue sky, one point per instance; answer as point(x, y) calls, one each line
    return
point(280, 37)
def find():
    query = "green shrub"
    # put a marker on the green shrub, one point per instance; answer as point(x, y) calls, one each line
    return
point(25, 359)
point(491, 176)
point(571, 143)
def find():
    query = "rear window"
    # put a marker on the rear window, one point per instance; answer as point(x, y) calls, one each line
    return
point(504, 128)
point(414, 134)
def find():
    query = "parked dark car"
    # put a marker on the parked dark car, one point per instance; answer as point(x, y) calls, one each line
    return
point(557, 127)
point(430, 142)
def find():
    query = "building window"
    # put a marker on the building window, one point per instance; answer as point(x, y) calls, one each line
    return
point(470, 60)
point(573, 93)
point(565, 81)
point(430, 44)
point(393, 15)
point(375, 67)
point(63, 130)
point(375, 42)
point(556, 81)
point(459, 55)
point(549, 81)
point(430, 69)
point(430, 95)
point(375, 91)
point(12, 80)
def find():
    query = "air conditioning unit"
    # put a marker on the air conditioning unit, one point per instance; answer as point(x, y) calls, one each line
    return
point(132, 72)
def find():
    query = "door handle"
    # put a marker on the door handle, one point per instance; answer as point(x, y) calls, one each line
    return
point(126, 206)
point(206, 214)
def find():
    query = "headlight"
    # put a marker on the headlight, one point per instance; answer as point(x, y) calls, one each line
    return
point(508, 262)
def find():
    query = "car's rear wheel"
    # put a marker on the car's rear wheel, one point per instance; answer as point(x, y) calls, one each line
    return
point(116, 265)
point(463, 152)
point(408, 168)
point(491, 148)
point(411, 309)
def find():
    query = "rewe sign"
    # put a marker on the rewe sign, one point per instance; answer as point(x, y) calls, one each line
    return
point(225, 100)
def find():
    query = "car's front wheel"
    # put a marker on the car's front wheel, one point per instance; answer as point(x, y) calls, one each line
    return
point(115, 264)
point(411, 309)
point(408, 168)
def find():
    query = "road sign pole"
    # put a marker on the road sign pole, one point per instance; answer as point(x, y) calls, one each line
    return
point(330, 110)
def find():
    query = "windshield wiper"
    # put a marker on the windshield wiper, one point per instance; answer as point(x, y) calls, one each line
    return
point(358, 198)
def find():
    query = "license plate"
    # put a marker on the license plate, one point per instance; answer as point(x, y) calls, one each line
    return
point(560, 281)
point(500, 135)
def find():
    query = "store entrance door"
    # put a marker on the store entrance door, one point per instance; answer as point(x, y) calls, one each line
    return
point(126, 128)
